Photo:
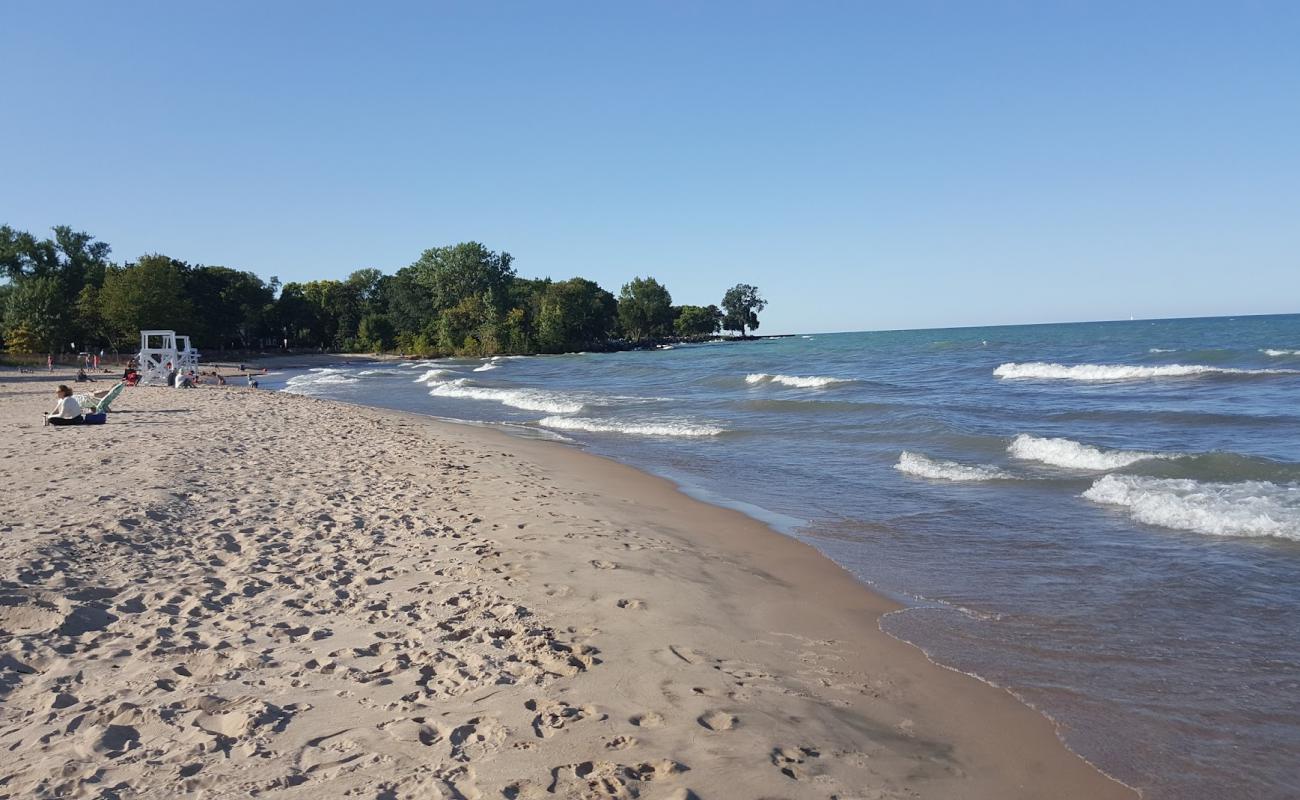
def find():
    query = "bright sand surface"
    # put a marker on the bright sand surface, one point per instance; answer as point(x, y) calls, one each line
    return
point(226, 592)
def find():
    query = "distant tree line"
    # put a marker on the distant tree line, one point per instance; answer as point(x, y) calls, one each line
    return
point(465, 299)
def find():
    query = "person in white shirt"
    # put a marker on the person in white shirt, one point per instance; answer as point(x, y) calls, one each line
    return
point(67, 412)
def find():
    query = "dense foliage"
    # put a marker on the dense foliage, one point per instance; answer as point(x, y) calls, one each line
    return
point(741, 306)
point(63, 293)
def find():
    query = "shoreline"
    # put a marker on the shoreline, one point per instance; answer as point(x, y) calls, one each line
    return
point(799, 690)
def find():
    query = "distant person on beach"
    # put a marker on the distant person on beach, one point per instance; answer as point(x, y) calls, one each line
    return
point(49, 363)
point(67, 411)
point(221, 379)
point(252, 382)
point(82, 377)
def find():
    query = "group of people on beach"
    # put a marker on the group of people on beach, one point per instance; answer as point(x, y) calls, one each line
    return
point(69, 410)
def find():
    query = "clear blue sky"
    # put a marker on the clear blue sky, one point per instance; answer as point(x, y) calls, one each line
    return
point(867, 165)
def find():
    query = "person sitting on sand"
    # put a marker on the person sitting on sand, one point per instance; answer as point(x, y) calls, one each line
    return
point(68, 410)
point(82, 377)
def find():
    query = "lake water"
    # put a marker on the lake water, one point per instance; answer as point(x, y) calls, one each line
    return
point(1102, 517)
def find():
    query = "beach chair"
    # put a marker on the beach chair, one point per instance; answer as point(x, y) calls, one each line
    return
point(101, 405)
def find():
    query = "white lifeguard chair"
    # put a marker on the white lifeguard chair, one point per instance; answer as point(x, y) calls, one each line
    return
point(187, 355)
point(158, 356)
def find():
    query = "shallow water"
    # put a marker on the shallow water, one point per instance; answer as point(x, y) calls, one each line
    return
point(1103, 517)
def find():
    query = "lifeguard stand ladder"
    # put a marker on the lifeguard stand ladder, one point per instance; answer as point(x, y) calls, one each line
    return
point(189, 357)
point(157, 356)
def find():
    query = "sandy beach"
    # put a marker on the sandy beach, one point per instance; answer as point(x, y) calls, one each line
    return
point(226, 592)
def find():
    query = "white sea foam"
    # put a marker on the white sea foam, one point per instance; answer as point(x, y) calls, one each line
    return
point(367, 372)
point(485, 367)
point(527, 399)
point(1074, 455)
point(1249, 508)
point(934, 469)
point(1162, 350)
point(318, 379)
point(660, 428)
point(1278, 353)
point(812, 382)
point(1120, 372)
point(432, 375)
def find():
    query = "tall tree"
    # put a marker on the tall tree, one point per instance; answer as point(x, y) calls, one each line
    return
point(467, 270)
point(742, 304)
point(231, 307)
point(66, 265)
point(575, 315)
point(35, 315)
point(645, 309)
point(409, 302)
point(697, 320)
point(149, 294)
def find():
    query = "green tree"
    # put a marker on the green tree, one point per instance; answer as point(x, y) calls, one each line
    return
point(469, 328)
point(454, 274)
point(90, 318)
point(35, 313)
point(72, 260)
point(408, 302)
point(697, 320)
point(575, 315)
point(375, 332)
point(292, 315)
point(23, 341)
point(325, 302)
point(147, 295)
point(232, 308)
point(741, 305)
point(645, 309)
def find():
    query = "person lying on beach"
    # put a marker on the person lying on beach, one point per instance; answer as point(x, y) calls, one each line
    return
point(68, 410)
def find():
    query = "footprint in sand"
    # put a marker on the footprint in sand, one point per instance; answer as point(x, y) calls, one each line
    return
point(635, 605)
point(717, 721)
point(649, 719)
point(793, 761)
point(598, 564)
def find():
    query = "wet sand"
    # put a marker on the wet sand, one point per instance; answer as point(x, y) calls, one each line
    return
point(225, 592)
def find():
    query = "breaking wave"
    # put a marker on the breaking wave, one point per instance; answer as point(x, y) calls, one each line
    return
point(1278, 353)
point(432, 375)
point(1074, 455)
point(1249, 508)
point(527, 399)
point(812, 382)
point(934, 469)
point(1120, 372)
point(318, 378)
point(636, 428)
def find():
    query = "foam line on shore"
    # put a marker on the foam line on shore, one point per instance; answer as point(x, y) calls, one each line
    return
point(795, 381)
point(1060, 452)
point(661, 428)
point(1246, 508)
point(923, 466)
point(1040, 370)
